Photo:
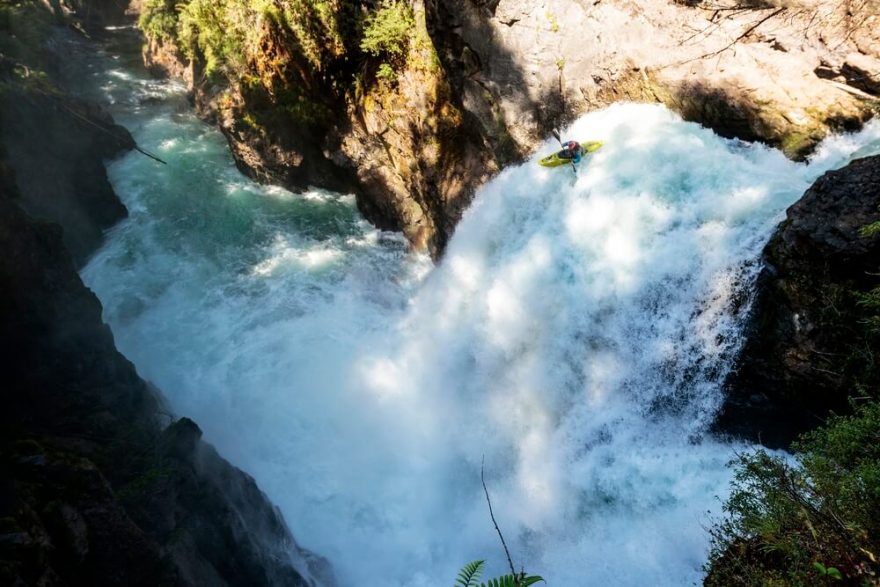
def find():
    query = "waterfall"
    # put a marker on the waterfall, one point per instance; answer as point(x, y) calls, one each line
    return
point(575, 336)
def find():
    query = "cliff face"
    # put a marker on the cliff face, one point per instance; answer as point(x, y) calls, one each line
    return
point(751, 70)
point(418, 155)
point(55, 142)
point(814, 338)
point(98, 484)
point(477, 83)
point(94, 491)
point(41, 127)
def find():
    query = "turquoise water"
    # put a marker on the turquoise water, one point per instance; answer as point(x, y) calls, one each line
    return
point(575, 335)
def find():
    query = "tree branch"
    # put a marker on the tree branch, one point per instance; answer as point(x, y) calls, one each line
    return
point(492, 515)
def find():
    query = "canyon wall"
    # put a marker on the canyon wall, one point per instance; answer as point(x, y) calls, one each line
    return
point(100, 484)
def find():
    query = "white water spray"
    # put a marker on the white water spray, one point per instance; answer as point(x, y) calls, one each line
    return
point(575, 334)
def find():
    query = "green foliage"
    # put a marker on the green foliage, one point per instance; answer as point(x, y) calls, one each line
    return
point(870, 303)
point(830, 572)
point(324, 47)
point(387, 33)
point(808, 522)
point(469, 576)
point(324, 31)
point(870, 230)
point(220, 30)
point(386, 73)
point(554, 23)
point(158, 19)
point(387, 30)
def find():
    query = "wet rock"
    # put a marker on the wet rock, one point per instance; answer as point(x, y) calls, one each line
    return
point(57, 145)
point(96, 492)
point(802, 356)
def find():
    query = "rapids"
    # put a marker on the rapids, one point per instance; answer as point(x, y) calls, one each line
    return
point(575, 334)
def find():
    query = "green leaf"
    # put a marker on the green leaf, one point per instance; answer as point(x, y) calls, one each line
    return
point(834, 573)
point(821, 568)
point(470, 574)
point(525, 582)
point(504, 581)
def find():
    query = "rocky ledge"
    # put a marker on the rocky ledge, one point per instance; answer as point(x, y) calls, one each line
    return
point(813, 342)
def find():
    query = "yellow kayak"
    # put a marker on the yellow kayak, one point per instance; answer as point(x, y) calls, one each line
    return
point(563, 158)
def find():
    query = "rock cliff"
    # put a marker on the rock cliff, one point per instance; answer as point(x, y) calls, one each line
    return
point(94, 491)
point(475, 84)
point(42, 127)
point(744, 69)
point(814, 342)
point(99, 485)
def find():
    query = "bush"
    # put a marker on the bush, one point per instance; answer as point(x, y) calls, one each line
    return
point(811, 522)
point(387, 31)
point(158, 19)
point(221, 30)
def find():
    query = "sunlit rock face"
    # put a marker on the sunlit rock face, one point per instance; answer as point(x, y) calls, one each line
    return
point(748, 74)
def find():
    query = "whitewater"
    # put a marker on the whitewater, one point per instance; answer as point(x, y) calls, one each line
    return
point(575, 335)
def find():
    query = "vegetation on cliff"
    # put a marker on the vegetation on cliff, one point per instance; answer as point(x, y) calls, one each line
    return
point(812, 522)
point(327, 43)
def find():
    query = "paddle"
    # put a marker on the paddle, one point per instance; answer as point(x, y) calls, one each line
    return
point(558, 138)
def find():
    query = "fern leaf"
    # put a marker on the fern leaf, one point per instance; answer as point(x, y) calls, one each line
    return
point(470, 574)
point(504, 581)
point(526, 581)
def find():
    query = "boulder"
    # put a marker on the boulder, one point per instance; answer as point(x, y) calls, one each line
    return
point(807, 350)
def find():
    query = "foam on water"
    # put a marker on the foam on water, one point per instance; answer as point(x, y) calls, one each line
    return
point(575, 334)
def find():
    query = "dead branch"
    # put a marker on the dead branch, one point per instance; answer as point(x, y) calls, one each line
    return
point(742, 36)
point(492, 515)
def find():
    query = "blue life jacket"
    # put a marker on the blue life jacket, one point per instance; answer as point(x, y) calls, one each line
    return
point(574, 151)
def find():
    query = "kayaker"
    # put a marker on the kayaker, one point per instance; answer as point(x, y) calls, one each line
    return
point(572, 150)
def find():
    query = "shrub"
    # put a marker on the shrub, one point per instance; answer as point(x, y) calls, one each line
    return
point(809, 522)
point(158, 19)
point(387, 30)
point(219, 29)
